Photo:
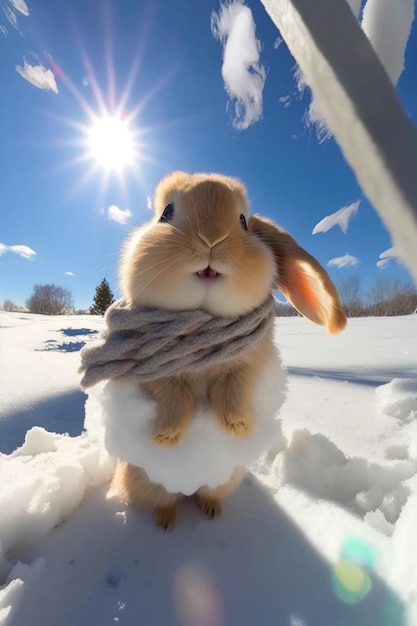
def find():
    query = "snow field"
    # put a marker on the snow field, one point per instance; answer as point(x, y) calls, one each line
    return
point(322, 531)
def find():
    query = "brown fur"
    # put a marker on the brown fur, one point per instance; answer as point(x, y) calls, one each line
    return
point(158, 268)
point(133, 486)
point(226, 388)
point(301, 278)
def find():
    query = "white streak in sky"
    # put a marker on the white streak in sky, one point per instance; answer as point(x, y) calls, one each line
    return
point(243, 75)
point(20, 6)
point(340, 218)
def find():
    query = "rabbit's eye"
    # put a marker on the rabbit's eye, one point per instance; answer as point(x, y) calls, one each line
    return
point(168, 213)
point(243, 222)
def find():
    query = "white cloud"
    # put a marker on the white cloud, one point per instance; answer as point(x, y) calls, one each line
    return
point(243, 75)
point(387, 24)
point(21, 6)
point(277, 43)
point(343, 261)
point(11, 9)
point(340, 218)
point(69, 273)
point(392, 254)
point(23, 251)
point(118, 215)
point(38, 76)
point(149, 203)
point(285, 101)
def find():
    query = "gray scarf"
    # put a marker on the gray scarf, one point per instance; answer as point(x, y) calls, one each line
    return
point(146, 344)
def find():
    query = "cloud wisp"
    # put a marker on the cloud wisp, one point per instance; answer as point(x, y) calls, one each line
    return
point(38, 76)
point(11, 9)
point(340, 218)
point(20, 6)
point(343, 261)
point(69, 274)
point(23, 251)
point(121, 216)
point(242, 72)
point(392, 254)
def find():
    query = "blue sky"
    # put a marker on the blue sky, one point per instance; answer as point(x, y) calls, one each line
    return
point(162, 59)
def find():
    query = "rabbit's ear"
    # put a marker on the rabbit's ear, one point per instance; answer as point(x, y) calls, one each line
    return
point(301, 278)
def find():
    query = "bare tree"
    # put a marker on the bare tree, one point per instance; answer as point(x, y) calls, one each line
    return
point(285, 310)
point(350, 292)
point(50, 300)
point(391, 294)
point(9, 305)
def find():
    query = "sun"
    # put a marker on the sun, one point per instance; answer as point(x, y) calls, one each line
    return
point(111, 142)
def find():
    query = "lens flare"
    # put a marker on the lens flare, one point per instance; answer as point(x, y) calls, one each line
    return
point(351, 582)
point(196, 599)
point(351, 579)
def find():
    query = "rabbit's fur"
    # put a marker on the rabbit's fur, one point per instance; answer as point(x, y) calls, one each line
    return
point(202, 250)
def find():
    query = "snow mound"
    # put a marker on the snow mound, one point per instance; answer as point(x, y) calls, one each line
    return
point(121, 415)
point(42, 483)
point(404, 567)
point(376, 492)
point(398, 399)
point(22, 574)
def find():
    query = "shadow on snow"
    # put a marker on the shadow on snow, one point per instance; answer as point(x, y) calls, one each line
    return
point(108, 563)
point(371, 377)
point(58, 414)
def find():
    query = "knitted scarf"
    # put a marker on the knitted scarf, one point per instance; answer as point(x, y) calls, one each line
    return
point(146, 343)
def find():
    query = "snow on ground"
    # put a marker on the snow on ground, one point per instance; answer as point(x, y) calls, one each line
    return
point(320, 533)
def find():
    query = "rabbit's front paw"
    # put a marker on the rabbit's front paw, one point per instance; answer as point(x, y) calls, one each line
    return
point(237, 424)
point(166, 433)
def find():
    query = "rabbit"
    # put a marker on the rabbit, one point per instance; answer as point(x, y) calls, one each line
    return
point(203, 251)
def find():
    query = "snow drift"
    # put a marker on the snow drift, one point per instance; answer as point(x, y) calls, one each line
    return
point(321, 532)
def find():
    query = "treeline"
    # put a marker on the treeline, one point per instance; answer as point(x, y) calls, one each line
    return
point(387, 297)
point(54, 300)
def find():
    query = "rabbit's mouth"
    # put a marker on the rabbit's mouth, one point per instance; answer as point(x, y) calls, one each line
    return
point(208, 274)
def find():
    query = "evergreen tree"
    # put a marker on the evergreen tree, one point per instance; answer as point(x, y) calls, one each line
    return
point(103, 298)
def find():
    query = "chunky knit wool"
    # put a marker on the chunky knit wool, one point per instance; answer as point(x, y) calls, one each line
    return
point(146, 343)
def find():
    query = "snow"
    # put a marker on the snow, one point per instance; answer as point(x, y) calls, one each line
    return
point(321, 531)
point(399, 399)
point(206, 455)
point(340, 218)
